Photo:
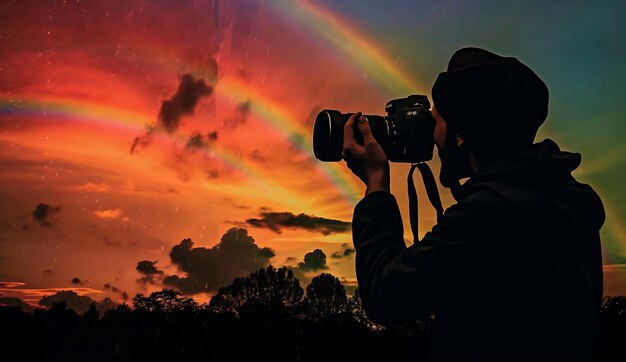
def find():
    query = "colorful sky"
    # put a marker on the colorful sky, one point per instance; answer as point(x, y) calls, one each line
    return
point(128, 127)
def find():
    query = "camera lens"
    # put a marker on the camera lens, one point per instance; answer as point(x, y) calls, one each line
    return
point(328, 135)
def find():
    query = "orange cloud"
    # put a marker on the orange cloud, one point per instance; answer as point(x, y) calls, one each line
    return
point(11, 284)
point(33, 295)
point(109, 213)
point(91, 187)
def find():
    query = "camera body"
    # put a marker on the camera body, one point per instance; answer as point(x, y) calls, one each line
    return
point(405, 134)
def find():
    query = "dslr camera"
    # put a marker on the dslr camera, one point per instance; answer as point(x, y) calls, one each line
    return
point(405, 133)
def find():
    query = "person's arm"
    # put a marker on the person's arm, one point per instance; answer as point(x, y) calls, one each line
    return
point(401, 284)
point(393, 285)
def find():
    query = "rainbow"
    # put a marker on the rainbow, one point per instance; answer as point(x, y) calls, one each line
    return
point(351, 43)
point(74, 109)
point(84, 110)
point(282, 121)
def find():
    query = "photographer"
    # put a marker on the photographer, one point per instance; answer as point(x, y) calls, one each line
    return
point(513, 270)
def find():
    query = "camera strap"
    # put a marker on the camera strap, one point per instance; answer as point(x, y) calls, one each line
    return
point(431, 191)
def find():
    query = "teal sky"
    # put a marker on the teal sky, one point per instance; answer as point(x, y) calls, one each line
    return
point(578, 48)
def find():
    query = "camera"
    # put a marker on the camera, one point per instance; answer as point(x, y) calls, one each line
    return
point(405, 134)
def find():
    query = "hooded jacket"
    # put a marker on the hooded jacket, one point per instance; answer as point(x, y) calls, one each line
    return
point(512, 272)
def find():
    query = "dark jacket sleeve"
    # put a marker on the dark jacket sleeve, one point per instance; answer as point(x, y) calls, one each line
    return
point(398, 283)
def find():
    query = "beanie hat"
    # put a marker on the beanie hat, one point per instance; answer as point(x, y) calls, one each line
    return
point(494, 103)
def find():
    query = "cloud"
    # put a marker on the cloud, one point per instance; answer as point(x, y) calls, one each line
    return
point(91, 187)
point(350, 284)
point(151, 274)
point(257, 156)
point(108, 286)
point(208, 269)
point(183, 102)
point(199, 141)
point(345, 252)
point(239, 117)
point(32, 296)
point(277, 221)
point(109, 213)
point(145, 139)
point(15, 302)
point(42, 212)
point(79, 303)
point(313, 261)
point(234, 204)
point(11, 284)
point(48, 272)
point(77, 281)
point(123, 294)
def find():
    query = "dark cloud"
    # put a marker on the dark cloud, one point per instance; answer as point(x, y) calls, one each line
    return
point(42, 213)
point(199, 141)
point(105, 304)
point(276, 221)
point(151, 274)
point(345, 252)
point(48, 272)
point(108, 286)
point(208, 269)
point(313, 261)
point(15, 302)
point(234, 204)
point(77, 281)
point(183, 102)
point(79, 303)
point(145, 139)
point(239, 117)
point(212, 136)
point(256, 155)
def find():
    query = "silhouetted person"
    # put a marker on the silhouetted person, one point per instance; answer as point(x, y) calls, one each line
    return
point(513, 271)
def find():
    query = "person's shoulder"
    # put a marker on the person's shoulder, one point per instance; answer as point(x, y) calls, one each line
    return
point(482, 197)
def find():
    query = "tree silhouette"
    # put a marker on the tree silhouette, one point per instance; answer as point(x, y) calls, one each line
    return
point(355, 309)
point(91, 313)
point(276, 290)
point(263, 316)
point(325, 297)
point(166, 300)
point(612, 328)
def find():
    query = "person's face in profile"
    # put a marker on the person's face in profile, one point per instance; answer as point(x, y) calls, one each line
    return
point(455, 163)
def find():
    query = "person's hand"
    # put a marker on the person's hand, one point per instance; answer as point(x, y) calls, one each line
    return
point(367, 161)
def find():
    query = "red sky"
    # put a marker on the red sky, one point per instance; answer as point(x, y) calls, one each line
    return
point(81, 80)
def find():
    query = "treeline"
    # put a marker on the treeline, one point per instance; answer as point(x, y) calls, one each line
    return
point(266, 315)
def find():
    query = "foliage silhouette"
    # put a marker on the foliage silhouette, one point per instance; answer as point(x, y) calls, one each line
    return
point(325, 297)
point(166, 300)
point(262, 316)
point(272, 291)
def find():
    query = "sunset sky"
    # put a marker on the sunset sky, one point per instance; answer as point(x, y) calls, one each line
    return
point(127, 127)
